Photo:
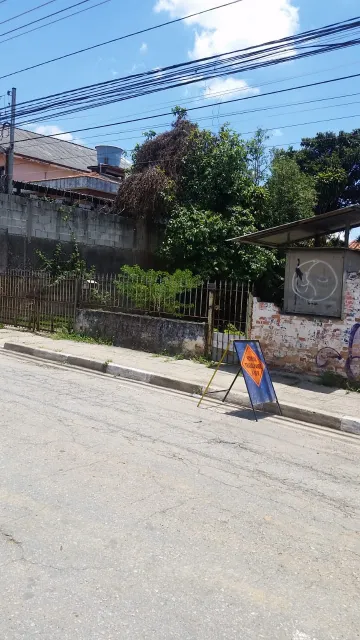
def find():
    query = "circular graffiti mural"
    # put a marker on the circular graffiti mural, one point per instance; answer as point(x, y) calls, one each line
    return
point(314, 280)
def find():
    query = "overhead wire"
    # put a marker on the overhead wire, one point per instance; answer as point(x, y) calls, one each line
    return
point(50, 15)
point(199, 98)
point(242, 133)
point(108, 92)
point(48, 24)
point(118, 39)
point(23, 13)
point(169, 113)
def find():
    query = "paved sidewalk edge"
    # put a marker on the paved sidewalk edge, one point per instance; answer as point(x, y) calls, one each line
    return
point(347, 424)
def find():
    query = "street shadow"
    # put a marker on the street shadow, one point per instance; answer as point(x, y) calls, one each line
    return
point(247, 414)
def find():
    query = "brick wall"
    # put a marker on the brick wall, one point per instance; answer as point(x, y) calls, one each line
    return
point(311, 344)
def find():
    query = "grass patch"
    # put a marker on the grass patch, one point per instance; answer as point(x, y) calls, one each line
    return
point(2, 326)
point(204, 360)
point(64, 334)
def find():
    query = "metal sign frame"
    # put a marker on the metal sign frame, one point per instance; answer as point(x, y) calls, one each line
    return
point(241, 371)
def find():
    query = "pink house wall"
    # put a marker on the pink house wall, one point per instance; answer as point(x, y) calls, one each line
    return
point(26, 170)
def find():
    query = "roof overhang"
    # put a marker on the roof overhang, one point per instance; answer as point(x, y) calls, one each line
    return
point(287, 234)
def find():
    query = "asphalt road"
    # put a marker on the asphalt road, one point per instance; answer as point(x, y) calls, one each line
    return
point(126, 512)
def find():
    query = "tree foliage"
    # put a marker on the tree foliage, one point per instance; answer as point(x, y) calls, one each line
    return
point(291, 194)
point(197, 239)
point(215, 173)
point(333, 160)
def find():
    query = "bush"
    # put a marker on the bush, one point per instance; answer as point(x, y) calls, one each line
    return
point(156, 291)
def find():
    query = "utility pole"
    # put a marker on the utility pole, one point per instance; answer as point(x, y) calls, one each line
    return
point(10, 153)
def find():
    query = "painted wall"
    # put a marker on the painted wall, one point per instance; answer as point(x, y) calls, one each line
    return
point(26, 170)
point(143, 332)
point(312, 344)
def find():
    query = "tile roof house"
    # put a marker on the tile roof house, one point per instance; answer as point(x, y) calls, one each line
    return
point(48, 161)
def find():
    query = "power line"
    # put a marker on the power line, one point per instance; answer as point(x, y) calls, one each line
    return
point(201, 97)
point(108, 92)
point(28, 11)
point(50, 15)
point(253, 111)
point(43, 26)
point(169, 113)
point(129, 35)
point(243, 133)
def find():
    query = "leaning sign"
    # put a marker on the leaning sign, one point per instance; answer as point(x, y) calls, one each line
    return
point(256, 374)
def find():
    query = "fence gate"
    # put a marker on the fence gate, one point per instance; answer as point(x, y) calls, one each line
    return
point(33, 301)
point(230, 307)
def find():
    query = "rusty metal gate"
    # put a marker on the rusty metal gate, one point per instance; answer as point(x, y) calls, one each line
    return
point(34, 301)
point(230, 308)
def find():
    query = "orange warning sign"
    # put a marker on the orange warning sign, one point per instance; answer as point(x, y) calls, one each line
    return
point(252, 364)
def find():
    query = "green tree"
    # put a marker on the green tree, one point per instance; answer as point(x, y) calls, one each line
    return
point(291, 193)
point(215, 171)
point(197, 239)
point(258, 156)
point(333, 161)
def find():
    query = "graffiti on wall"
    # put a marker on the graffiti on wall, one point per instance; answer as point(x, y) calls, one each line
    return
point(352, 362)
point(314, 281)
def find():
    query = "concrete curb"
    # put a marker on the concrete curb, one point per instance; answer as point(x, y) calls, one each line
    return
point(115, 370)
point(346, 424)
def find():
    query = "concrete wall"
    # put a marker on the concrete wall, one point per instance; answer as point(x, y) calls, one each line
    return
point(312, 344)
point(143, 332)
point(106, 241)
point(314, 280)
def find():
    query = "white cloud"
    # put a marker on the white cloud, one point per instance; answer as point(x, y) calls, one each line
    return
point(143, 48)
point(52, 130)
point(224, 88)
point(244, 24)
point(277, 133)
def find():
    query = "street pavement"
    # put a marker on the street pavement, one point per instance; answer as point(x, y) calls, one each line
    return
point(126, 512)
point(290, 389)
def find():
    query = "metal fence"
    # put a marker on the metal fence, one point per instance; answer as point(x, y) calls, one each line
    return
point(232, 303)
point(33, 300)
point(151, 294)
point(36, 301)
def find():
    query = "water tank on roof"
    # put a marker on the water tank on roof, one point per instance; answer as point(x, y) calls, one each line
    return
point(109, 155)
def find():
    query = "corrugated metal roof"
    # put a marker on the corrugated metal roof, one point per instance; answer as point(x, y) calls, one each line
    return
point(285, 234)
point(54, 150)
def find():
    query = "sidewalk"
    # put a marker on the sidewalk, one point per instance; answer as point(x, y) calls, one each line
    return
point(299, 399)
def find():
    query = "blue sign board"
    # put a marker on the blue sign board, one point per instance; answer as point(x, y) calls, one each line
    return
point(255, 371)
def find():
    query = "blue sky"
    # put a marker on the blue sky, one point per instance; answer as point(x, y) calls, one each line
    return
point(250, 22)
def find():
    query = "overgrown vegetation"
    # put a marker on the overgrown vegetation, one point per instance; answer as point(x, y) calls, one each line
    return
point(61, 265)
point(335, 380)
point(65, 334)
point(157, 291)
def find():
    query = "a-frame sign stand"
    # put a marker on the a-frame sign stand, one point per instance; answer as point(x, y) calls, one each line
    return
point(254, 369)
